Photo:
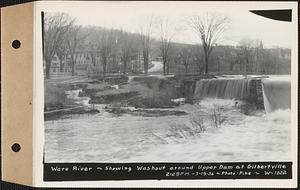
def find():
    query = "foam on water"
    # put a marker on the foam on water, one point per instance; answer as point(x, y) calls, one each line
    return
point(74, 94)
point(241, 138)
point(106, 138)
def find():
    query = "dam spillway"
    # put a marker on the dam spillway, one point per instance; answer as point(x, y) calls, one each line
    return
point(266, 93)
point(276, 94)
point(223, 89)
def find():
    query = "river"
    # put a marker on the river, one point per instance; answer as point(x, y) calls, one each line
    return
point(105, 137)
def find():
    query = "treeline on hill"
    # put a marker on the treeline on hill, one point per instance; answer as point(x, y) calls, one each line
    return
point(119, 50)
point(232, 60)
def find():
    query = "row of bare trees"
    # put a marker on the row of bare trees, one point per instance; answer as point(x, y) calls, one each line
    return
point(248, 57)
point(63, 37)
point(54, 30)
point(111, 46)
point(254, 58)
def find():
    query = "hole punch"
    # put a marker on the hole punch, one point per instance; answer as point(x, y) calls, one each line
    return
point(16, 44)
point(16, 147)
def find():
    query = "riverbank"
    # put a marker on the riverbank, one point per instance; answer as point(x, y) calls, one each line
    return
point(142, 92)
point(60, 100)
point(139, 92)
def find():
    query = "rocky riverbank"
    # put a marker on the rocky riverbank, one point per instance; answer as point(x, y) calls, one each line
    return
point(141, 92)
point(59, 102)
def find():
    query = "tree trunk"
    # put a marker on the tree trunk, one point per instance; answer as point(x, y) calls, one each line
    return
point(186, 68)
point(146, 66)
point(232, 65)
point(167, 63)
point(218, 65)
point(73, 67)
point(104, 66)
point(200, 68)
point(61, 65)
point(206, 63)
point(246, 66)
point(48, 65)
point(146, 62)
point(93, 56)
point(114, 63)
point(125, 66)
point(164, 67)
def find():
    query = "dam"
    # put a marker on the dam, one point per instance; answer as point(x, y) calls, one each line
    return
point(269, 93)
point(276, 94)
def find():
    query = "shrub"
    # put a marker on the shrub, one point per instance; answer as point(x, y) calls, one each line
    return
point(216, 117)
point(197, 122)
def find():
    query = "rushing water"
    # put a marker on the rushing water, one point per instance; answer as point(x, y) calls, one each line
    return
point(277, 94)
point(231, 88)
point(104, 137)
point(74, 94)
point(276, 90)
point(261, 137)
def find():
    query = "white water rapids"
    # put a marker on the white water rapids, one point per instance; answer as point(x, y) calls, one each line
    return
point(104, 137)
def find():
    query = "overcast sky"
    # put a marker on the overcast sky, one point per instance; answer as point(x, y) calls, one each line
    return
point(129, 16)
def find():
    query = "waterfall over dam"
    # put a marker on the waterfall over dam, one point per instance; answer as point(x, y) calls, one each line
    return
point(234, 88)
point(271, 93)
point(276, 94)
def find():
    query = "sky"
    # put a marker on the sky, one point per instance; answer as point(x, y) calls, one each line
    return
point(130, 15)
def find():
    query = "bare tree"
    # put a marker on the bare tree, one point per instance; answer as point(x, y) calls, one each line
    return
point(209, 28)
point(185, 56)
point(55, 27)
point(105, 44)
point(93, 53)
point(197, 58)
point(246, 50)
point(93, 43)
point(182, 55)
point(61, 53)
point(165, 43)
point(115, 52)
point(126, 43)
point(250, 54)
point(259, 53)
point(145, 37)
point(73, 40)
